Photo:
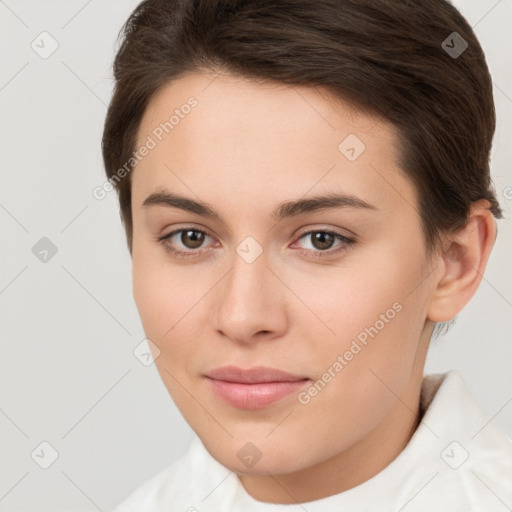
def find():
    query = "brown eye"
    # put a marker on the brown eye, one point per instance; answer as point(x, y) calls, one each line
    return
point(321, 243)
point(322, 240)
point(192, 238)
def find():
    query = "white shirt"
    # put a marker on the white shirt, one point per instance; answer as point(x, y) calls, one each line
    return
point(457, 460)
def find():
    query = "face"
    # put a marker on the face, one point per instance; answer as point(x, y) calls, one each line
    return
point(281, 321)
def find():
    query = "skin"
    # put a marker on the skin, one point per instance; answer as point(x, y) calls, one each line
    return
point(245, 148)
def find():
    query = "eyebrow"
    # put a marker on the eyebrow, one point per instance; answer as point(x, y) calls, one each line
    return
point(284, 210)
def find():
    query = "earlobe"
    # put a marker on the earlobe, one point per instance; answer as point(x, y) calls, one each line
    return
point(463, 261)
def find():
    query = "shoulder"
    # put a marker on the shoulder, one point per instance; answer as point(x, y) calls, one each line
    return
point(180, 485)
point(473, 465)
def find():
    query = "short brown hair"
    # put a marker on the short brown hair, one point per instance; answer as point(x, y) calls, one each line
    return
point(385, 57)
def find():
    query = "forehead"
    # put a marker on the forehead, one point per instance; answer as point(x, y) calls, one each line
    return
point(273, 140)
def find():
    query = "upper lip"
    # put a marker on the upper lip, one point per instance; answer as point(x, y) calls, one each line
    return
point(254, 375)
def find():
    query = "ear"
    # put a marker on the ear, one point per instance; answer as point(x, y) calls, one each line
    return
point(462, 261)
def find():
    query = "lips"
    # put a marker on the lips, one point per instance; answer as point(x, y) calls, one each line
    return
point(253, 388)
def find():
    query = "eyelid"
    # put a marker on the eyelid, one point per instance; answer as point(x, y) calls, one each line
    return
point(184, 228)
point(325, 229)
point(341, 230)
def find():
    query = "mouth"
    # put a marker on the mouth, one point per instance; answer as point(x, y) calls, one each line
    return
point(253, 388)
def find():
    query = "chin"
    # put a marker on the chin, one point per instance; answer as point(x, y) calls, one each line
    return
point(256, 457)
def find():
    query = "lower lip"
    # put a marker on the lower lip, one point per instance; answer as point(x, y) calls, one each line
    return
point(254, 396)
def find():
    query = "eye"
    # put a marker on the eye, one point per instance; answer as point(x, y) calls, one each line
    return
point(184, 242)
point(188, 242)
point(322, 241)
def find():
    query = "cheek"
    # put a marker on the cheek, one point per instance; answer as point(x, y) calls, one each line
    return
point(156, 297)
point(370, 359)
point(352, 298)
point(375, 312)
point(171, 303)
point(160, 292)
point(151, 296)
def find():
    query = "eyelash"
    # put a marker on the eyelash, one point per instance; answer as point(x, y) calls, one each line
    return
point(347, 243)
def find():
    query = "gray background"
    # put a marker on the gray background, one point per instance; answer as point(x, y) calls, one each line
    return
point(70, 325)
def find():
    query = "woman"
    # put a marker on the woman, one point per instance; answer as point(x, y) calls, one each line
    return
point(306, 195)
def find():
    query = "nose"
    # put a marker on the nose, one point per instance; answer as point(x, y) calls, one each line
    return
point(251, 302)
